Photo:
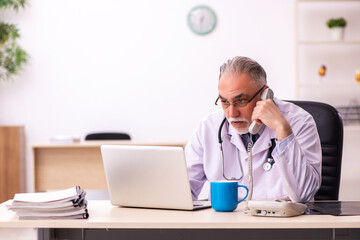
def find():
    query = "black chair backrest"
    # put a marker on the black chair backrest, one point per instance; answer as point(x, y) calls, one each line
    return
point(108, 136)
point(330, 128)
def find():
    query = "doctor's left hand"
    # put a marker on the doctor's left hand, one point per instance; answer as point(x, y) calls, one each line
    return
point(266, 112)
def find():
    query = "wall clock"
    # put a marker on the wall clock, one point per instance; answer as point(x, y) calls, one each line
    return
point(201, 20)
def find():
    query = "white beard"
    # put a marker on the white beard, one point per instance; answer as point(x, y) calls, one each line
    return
point(244, 131)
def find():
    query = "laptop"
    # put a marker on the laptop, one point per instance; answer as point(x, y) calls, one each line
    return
point(148, 177)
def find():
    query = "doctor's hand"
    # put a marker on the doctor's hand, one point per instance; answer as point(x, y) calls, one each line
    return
point(266, 112)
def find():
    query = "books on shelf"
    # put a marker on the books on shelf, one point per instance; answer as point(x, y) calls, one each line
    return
point(64, 204)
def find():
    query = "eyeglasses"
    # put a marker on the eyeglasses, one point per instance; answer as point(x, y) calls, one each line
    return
point(239, 103)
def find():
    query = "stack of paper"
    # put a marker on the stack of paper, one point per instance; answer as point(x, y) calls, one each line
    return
point(68, 203)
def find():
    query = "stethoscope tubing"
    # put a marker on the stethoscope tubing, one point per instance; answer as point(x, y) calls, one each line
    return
point(267, 165)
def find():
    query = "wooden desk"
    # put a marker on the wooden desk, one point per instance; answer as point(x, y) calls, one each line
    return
point(60, 166)
point(173, 224)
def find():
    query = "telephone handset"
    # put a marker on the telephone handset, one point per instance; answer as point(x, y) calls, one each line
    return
point(266, 94)
point(254, 129)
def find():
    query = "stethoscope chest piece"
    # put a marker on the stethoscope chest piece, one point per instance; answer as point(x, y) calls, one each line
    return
point(270, 160)
point(268, 165)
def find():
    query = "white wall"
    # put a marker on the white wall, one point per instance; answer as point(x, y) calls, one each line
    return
point(135, 66)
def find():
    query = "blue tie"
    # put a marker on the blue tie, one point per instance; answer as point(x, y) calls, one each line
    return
point(254, 137)
point(246, 138)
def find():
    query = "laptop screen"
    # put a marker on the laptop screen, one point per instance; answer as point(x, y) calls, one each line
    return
point(147, 176)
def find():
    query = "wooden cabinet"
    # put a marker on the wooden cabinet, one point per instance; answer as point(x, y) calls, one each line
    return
point(12, 161)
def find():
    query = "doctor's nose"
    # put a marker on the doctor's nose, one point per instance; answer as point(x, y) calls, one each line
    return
point(233, 112)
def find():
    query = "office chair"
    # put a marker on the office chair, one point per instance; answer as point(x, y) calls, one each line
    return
point(330, 128)
point(108, 136)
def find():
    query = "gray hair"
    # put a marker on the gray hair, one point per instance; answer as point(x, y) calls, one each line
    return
point(241, 65)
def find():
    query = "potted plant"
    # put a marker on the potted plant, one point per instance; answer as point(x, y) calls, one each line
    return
point(337, 27)
point(12, 56)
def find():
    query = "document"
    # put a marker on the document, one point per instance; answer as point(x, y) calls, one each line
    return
point(45, 197)
point(67, 203)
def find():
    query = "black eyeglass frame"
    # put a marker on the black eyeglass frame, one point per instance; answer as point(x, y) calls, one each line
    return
point(242, 103)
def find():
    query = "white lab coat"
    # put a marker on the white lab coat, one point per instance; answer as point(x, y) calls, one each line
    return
point(295, 175)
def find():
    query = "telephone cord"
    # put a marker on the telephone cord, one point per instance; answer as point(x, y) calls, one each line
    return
point(249, 152)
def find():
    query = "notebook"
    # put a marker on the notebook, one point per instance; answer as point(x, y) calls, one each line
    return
point(148, 176)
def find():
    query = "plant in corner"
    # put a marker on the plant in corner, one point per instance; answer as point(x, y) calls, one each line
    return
point(12, 56)
point(337, 26)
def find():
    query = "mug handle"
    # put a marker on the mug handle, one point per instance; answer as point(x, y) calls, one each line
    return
point(247, 191)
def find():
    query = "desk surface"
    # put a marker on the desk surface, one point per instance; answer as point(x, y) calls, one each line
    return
point(104, 215)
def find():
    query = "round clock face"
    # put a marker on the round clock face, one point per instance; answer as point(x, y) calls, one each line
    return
point(201, 20)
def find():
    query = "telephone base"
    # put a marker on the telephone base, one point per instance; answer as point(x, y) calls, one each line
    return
point(272, 208)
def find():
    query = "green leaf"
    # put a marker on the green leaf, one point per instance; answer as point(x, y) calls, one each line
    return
point(14, 4)
point(336, 22)
point(8, 31)
point(12, 56)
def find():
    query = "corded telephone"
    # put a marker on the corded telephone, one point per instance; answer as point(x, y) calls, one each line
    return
point(255, 128)
point(271, 208)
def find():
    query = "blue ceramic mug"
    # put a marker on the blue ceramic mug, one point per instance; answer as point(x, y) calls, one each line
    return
point(224, 195)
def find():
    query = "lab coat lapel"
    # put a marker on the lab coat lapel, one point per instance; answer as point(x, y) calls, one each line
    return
point(264, 141)
point(235, 139)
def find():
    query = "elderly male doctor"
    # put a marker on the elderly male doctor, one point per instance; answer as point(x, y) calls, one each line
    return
point(286, 153)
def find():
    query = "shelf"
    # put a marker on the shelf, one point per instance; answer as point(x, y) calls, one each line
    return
point(350, 128)
point(328, 42)
point(300, 1)
point(330, 85)
point(315, 47)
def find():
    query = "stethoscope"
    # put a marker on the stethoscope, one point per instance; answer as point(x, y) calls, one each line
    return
point(266, 166)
